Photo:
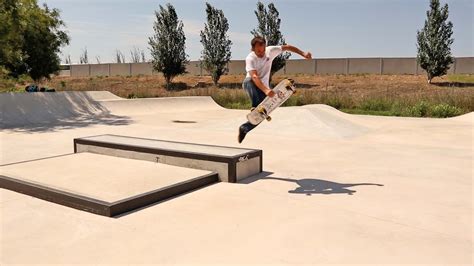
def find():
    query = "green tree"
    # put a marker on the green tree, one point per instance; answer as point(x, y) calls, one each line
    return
point(168, 48)
point(216, 53)
point(30, 38)
point(269, 27)
point(11, 40)
point(434, 41)
point(43, 39)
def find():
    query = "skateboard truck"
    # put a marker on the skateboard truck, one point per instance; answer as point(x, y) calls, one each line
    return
point(263, 111)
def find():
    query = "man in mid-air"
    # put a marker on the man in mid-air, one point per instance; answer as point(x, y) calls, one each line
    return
point(258, 65)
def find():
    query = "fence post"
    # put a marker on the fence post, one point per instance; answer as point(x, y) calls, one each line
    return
point(347, 66)
point(381, 65)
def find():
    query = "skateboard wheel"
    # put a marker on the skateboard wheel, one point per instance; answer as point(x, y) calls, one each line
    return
point(269, 118)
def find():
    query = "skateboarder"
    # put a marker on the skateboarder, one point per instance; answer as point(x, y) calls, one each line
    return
point(258, 65)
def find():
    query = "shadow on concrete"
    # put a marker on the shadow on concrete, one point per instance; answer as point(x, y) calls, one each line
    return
point(71, 123)
point(45, 112)
point(309, 186)
point(184, 121)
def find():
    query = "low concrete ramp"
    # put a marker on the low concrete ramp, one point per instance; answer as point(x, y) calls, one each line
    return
point(320, 121)
point(77, 109)
point(161, 105)
point(100, 184)
point(468, 118)
point(337, 122)
point(103, 95)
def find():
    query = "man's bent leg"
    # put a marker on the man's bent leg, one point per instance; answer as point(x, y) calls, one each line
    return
point(256, 96)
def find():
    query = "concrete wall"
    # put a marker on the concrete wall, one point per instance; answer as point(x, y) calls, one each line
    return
point(100, 70)
point(80, 70)
point(120, 69)
point(365, 66)
point(462, 65)
point(64, 73)
point(331, 66)
point(398, 66)
point(300, 66)
point(236, 67)
point(194, 68)
point(141, 69)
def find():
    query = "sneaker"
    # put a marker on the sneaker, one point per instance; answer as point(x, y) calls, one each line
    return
point(241, 134)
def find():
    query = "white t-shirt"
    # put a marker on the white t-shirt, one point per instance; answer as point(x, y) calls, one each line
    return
point(263, 65)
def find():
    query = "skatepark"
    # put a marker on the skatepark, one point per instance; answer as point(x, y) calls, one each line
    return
point(93, 178)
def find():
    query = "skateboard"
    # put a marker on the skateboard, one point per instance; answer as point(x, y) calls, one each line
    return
point(283, 91)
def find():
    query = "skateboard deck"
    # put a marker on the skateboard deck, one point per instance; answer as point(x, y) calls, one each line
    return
point(283, 91)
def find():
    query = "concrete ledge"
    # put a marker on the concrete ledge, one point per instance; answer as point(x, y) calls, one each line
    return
point(232, 164)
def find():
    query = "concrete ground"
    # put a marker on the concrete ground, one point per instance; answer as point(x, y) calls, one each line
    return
point(337, 188)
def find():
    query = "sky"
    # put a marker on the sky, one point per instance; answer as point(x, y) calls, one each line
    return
point(327, 28)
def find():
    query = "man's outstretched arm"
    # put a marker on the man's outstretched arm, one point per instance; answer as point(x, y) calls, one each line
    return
point(294, 49)
point(259, 84)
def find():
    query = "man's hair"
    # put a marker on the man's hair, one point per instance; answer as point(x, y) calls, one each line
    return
point(257, 39)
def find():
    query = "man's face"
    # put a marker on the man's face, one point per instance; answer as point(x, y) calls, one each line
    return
point(259, 49)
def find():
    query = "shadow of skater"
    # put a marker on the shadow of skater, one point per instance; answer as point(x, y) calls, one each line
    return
point(311, 186)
